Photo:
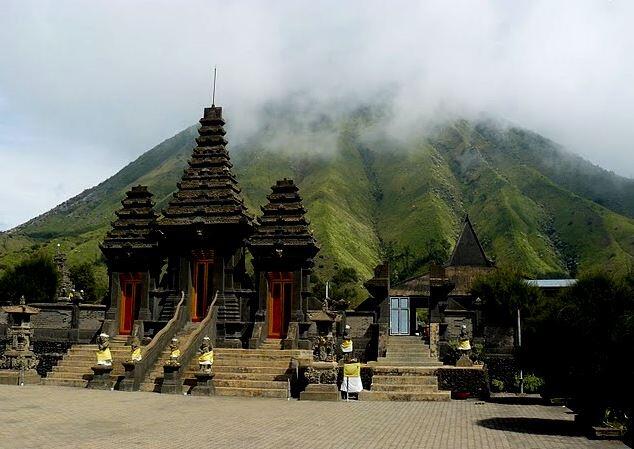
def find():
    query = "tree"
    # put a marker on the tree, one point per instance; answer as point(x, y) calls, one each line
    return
point(83, 278)
point(502, 292)
point(586, 335)
point(35, 278)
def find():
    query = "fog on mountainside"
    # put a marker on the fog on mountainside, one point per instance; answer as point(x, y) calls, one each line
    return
point(370, 191)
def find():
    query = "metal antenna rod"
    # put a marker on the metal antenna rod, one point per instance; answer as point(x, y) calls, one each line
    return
point(213, 95)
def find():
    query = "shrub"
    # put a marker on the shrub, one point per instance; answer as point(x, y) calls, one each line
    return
point(34, 278)
point(532, 383)
point(83, 278)
point(497, 385)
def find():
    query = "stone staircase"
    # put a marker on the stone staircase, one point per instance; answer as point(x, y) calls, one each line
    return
point(251, 372)
point(154, 378)
point(406, 373)
point(73, 370)
point(271, 343)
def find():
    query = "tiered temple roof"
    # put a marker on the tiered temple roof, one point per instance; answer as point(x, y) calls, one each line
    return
point(208, 193)
point(135, 227)
point(282, 231)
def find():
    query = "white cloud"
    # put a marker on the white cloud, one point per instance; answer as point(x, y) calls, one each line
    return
point(95, 84)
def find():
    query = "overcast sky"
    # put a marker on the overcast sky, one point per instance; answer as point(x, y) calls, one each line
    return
point(86, 87)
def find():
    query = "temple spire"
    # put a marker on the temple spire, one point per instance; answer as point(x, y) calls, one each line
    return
point(208, 194)
point(282, 231)
point(213, 94)
point(468, 250)
point(134, 230)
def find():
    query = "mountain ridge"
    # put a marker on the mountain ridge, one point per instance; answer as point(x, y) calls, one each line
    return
point(370, 196)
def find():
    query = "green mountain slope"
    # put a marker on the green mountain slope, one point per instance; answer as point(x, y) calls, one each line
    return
point(367, 190)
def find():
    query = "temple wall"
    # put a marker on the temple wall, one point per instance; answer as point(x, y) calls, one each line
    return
point(364, 334)
point(53, 318)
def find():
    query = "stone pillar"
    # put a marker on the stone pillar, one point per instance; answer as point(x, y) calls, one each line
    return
point(101, 378)
point(322, 382)
point(204, 384)
point(434, 330)
point(144, 310)
point(172, 384)
point(296, 307)
point(127, 384)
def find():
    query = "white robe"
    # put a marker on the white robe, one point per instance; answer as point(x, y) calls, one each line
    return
point(351, 384)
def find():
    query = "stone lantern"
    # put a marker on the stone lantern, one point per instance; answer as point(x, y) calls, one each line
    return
point(19, 361)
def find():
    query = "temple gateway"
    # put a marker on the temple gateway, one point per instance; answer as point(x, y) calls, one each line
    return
point(179, 281)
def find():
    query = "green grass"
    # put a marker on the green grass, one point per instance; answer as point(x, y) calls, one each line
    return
point(522, 194)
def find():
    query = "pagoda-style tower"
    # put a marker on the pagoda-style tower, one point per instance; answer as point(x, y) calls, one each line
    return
point(205, 226)
point(131, 251)
point(283, 249)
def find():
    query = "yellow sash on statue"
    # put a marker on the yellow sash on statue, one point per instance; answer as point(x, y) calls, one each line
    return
point(206, 358)
point(352, 370)
point(176, 353)
point(346, 346)
point(464, 345)
point(104, 357)
point(136, 355)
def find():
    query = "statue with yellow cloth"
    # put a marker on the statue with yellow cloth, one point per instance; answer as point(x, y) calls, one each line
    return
point(104, 357)
point(463, 340)
point(346, 345)
point(135, 353)
point(175, 353)
point(464, 347)
point(206, 357)
point(351, 377)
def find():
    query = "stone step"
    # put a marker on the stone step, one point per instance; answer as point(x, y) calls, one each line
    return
point(85, 365)
point(252, 392)
point(415, 350)
point(399, 342)
point(281, 365)
point(248, 369)
point(384, 370)
point(301, 353)
point(74, 376)
point(81, 369)
point(247, 376)
point(408, 388)
point(408, 363)
point(411, 360)
point(239, 383)
point(405, 379)
point(272, 357)
point(149, 387)
point(404, 396)
point(69, 376)
point(77, 383)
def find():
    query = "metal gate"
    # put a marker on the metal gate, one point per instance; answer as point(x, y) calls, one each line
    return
point(399, 316)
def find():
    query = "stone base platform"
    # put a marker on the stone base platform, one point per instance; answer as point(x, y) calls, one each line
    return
point(320, 392)
point(12, 377)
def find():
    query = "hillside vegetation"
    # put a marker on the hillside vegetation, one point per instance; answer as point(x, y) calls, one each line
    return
point(534, 206)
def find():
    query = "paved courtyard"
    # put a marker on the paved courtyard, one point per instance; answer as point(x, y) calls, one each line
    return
point(52, 417)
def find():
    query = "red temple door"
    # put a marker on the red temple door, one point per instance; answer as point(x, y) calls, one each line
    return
point(203, 271)
point(279, 303)
point(131, 287)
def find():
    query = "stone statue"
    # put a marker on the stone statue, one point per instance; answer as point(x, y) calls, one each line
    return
point(324, 349)
point(19, 355)
point(206, 357)
point(65, 288)
point(463, 340)
point(175, 353)
point(464, 347)
point(346, 345)
point(103, 350)
point(135, 353)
